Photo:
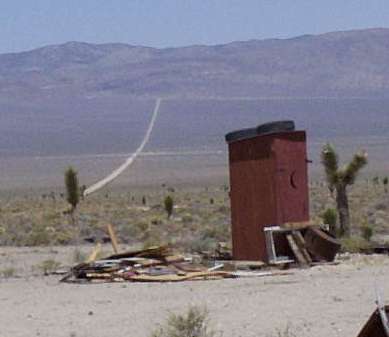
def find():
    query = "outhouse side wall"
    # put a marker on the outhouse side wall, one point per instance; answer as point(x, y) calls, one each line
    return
point(252, 196)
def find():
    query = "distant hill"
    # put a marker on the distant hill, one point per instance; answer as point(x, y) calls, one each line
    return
point(351, 63)
point(80, 99)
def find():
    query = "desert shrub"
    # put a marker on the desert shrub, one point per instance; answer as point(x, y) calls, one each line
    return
point(355, 244)
point(62, 237)
point(78, 256)
point(49, 266)
point(153, 238)
point(381, 206)
point(367, 232)
point(201, 244)
point(51, 217)
point(168, 204)
point(385, 181)
point(288, 331)
point(330, 217)
point(134, 231)
point(209, 232)
point(194, 323)
point(218, 232)
point(187, 218)
point(142, 226)
point(156, 221)
point(8, 272)
point(38, 236)
point(72, 188)
point(223, 209)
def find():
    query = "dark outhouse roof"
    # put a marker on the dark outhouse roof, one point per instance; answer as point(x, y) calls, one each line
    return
point(263, 129)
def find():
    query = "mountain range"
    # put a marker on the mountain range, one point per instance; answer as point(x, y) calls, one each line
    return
point(337, 64)
point(87, 99)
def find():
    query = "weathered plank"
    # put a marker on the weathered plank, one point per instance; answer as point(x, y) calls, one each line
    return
point(296, 251)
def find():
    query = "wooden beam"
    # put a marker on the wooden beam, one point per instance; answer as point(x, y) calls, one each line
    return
point(92, 257)
point(114, 241)
point(299, 239)
point(296, 251)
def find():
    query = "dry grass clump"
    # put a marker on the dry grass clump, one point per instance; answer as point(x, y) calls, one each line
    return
point(194, 323)
point(48, 266)
point(355, 244)
point(287, 332)
point(8, 272)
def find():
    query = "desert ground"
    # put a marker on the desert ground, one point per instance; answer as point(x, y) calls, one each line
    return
point(36, 236)
point(328, 300)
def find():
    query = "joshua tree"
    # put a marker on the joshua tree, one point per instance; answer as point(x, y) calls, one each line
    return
point(169, 204)
point(338, 179)
point(72, 191)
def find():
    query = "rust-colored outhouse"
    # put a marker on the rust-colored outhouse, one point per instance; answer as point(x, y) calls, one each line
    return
point(269, 184)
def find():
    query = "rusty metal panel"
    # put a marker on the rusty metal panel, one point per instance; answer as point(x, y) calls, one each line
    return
point(321, 245)
point(261, 190)
point(374, 326)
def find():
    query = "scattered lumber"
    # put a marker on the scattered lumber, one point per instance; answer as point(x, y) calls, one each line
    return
point(158, 264)
point(308, 245)
point(155, 264)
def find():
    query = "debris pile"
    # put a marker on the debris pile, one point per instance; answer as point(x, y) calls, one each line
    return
point(301, 243)
point(156, 264)
point(305, 244)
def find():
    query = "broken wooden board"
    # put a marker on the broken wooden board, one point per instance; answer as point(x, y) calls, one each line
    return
point(114, 241)
point(174, 258)
point(297, 225)
point(242, 265)
point(152, 253)
point(299, 239)
point(178, 278)
point(96, 251)
point(296, 251)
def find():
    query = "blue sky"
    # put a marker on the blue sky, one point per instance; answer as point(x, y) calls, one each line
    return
point(27, 24)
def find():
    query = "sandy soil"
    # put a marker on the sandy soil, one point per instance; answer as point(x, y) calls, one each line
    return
point(320, 301)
